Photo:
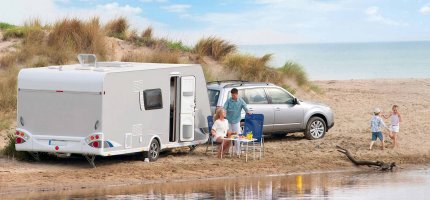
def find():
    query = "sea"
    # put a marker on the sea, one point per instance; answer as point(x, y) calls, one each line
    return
point(344, 61)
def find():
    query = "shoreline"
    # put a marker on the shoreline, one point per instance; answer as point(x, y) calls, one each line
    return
point(352, 102)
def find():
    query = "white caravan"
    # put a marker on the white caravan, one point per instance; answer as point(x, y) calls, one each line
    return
point(111, 108)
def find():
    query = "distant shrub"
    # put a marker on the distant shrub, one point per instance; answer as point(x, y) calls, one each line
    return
point(214, 47)
point(178, 45)
point(117, 28)
point(4, 26)
point(155, 56)
point(252, 68)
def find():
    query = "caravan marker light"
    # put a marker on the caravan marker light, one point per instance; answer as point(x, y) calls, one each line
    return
point(57, 148)
point(17, 133)
point(97, 137)
point(92, 137)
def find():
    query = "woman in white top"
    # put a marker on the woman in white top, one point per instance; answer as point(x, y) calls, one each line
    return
point(220, 130)
point(396, 118)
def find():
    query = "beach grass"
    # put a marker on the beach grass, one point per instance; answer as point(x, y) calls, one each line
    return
point(4, 26)
point(252, 68)
point(295, 71)
point(214, 47)
point(10, 151)
point(117, 28)
point(156, 56)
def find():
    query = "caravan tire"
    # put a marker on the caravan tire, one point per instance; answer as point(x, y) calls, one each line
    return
point(154, 151)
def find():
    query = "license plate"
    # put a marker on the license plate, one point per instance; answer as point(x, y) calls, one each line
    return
point(57, 143)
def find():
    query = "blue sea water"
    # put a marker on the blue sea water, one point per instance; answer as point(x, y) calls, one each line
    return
point(341, 61)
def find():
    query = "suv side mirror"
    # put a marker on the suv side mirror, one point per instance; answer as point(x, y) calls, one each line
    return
point(296, 101)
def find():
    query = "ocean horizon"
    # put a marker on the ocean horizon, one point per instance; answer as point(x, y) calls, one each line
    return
point(344, 61)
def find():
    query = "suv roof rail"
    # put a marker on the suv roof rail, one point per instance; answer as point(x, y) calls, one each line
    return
point(226, 81)
point(247, 84)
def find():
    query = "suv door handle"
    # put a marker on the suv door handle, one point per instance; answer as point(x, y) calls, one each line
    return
point(277, 109)
point(251, 109)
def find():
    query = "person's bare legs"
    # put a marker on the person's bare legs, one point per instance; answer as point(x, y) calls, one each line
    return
point(220, 141)
point(371, 145)
point(382, 144)
point(395, 140)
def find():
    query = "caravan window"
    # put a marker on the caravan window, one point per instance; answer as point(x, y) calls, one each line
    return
point(153, 99)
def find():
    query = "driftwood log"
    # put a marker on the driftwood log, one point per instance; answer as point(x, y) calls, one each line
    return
point(381, 165)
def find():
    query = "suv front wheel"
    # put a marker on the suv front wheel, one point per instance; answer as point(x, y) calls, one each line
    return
point(315, 129)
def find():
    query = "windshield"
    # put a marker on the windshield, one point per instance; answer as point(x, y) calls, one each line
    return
point(213, 97)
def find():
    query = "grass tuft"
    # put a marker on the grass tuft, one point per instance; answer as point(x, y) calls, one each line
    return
point(117, 28)
point(70, 37)
point(295, 71)
point(215, 47)
point(252, 68)
point(8, 89)
point(10, 151)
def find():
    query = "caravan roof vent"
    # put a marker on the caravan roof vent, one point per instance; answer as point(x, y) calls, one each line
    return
point(87, 60)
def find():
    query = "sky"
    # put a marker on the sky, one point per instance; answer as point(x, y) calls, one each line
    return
point(246, 22)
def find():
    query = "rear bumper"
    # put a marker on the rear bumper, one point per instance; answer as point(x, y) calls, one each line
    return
point(57, 144)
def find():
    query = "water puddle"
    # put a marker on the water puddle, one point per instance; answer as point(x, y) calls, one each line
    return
point(411, 184)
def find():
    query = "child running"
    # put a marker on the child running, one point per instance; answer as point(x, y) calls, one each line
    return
point(396, 118)
point(375, 126)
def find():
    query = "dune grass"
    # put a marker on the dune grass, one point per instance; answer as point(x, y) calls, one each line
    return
point(156, 56)
point(10, 151)
point(4, 26)
point(296, 71)
point(8, 89)
point(117, 28)
point(252, 68)
point(215, 47)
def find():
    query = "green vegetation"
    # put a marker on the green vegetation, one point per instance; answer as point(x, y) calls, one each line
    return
point(178, 45)
point(296, 71)
point(215, 47)
point(4, 26)
point(8, 89)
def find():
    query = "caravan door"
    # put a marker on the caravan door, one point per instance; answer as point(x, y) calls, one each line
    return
point(188, 105)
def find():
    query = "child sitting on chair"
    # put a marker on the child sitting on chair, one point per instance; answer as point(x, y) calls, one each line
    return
point(220, 130)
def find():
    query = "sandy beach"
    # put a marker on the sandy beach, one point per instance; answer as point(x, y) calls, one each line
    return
point(351, 100)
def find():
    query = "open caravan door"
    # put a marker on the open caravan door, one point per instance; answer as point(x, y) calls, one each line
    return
point(188, 105)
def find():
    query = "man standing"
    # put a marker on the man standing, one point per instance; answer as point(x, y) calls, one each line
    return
point(234, 106)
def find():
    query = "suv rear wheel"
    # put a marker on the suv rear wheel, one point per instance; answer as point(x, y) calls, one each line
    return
point(315, 129)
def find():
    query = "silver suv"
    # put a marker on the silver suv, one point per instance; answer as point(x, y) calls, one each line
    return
point(282, 111)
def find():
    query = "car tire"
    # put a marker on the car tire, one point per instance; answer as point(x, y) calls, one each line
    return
point(153, 152)
point(315, 129)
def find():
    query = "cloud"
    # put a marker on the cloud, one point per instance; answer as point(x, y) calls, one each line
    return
point(153, 1)
point(425, 9)
point(374, 15)
point(115, 8)
point(177, 8)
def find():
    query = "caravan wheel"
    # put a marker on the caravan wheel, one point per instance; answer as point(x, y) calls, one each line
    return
point(154, 151)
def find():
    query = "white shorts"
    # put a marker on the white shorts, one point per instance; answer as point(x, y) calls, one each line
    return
point(394, 128)
point(235, 128)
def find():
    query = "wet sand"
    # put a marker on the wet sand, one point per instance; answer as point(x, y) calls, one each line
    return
point(351, 100)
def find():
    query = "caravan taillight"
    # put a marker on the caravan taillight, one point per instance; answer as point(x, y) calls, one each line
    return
point(21, 137)
point(96, 144)
point(97, 137)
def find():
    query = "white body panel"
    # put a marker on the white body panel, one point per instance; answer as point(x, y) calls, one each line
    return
point(62, 107)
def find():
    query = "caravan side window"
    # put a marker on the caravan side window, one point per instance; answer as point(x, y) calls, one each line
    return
point(153, 99)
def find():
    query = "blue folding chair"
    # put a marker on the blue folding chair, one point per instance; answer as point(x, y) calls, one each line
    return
point(210, 139)
point(254, 123)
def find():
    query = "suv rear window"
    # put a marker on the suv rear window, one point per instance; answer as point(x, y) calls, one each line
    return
point(213, 97)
